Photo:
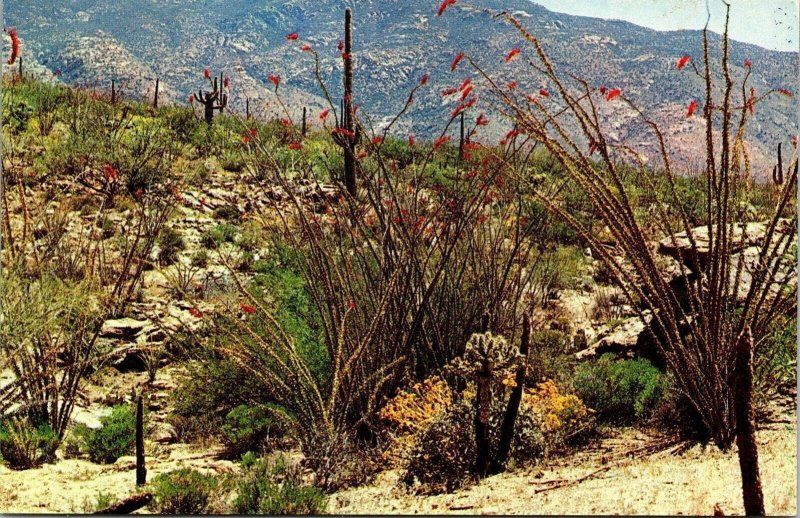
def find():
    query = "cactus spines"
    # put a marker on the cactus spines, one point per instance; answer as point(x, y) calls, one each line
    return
point(155, 95)
point(514, 400)
point(141, 470)
point(213, 100)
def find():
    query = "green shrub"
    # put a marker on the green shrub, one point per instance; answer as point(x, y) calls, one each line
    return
point(247, 428)
point(218, 235)
point(25, 446)
point(200, 259)
point(269, 487)
point(115, 437)
point(183, 491)
point(170, 244)
point(619, 390)
point(227, 212)
point(775, 369)
point(101, 501)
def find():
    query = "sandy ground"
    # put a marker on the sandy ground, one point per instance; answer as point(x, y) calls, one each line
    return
point(690, 483)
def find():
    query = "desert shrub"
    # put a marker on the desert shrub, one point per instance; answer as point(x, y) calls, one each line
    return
point(101, 501)
point(218, 235)
point(24, 445)
point(248, 428)
point(183, 491)
point(549, 356)
point(270, 487)
point(620, 390)
point(115, 437)
point(775, 361)
point(170, 244)
point(232, 161)
point(227, 212)
point(200, 259)
point(183, 123)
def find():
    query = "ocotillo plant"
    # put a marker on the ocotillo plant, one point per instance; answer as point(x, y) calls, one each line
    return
point(461, 140)
point(213, 100)
point(155, 95)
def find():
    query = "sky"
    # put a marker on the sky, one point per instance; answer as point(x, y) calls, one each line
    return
point(772, 24)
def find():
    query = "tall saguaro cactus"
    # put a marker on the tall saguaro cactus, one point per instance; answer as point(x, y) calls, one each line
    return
point(213, 100)
point(348, 115)
point(155, 96)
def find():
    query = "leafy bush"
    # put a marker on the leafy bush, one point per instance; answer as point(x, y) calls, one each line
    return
point(218, 235)
point(619, 390)
point(183, 491)
point(247, 429)
point(270, 487)
point(170, 243)
point(775, 369)
point(115, 437)
point(25, 446)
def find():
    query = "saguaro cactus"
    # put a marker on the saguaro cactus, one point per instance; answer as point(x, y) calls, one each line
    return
point(214, 100)
point(303, 130)
point(348, 123)
point(113, 92)
point(155, 95)
point(141, 470)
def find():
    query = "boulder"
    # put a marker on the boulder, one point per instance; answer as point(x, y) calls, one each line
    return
point(628, 338)
point(123, 328)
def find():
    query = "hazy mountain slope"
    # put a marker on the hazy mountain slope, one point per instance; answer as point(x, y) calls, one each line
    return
point(396, 42)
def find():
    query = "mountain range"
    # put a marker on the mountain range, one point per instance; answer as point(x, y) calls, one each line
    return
point(89, 42)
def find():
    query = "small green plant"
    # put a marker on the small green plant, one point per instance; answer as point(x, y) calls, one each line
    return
point(114, 438)
point(25, 446)
point(271, 487)
point(200, 259)
point(218, 235)
point(247, 428)
point(183, 491)
point(620, 390)
point(102, 501)
point(170, 243)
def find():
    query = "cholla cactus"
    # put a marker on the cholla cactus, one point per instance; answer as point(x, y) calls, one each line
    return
point(489, 359)
point(486, 353)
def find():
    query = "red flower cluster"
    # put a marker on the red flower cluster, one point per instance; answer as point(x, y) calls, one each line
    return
point(444, 5)
point(377, 140)
point(411, 140)
point(482, 120)
point(294, 146)
point(456, 61)
point(439, 141)
point(324, 114)
point(692, 108)
point(110, 172)
point(683, 61)
point(306, 47)
point(12, 33)
point(276, 80)
point(512, 54)
point(424, 79)
point(612, 94)
point(207, 73)
point(250, 310)
point(543, 92)
point(292, 37)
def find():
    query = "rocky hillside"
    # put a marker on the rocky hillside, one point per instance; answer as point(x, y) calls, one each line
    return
point(396, 41)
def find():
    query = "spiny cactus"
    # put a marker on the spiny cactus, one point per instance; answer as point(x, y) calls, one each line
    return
point(346, 135)
point(488, 358)
point(216, 99)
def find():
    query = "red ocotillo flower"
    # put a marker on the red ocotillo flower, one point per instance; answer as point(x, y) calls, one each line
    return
point(292, 37)
point(294, 146)
point(245, 139)
point(226, 82)
point(603, 90)
point(613, 93)
point(424, 79)
point(196, 313)
point(286, 122)
point(683, 61)
point(456, 61)
point(306, 47)
point(250, 310)
point(439, 141)
point(784, 91)
point(340, 45)
point(748, 63)
point(207, 73)
point(377, 140)
point(512, 54)
point(12, 33)
point(466, 92)
point(362, 155)
point(324, 114)
point(449, 91)
point(411, 140)
point(467, 82)
point(276, 80)
point(444, 5)
point(512, 85)
point(543, 92)
point(253, 133)
point(460, 108)
point(191, 99)
point(344, 132)
point(482, 120)
point(691, 109)
point(110, 172)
